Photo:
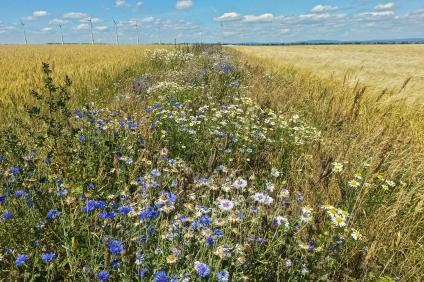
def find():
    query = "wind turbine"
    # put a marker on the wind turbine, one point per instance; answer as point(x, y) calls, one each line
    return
point(91, 30)
point(25, 36)
point(138, 32)
point(116, 31)
point(61, 33)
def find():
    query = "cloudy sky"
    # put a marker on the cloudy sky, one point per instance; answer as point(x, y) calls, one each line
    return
point(209, 20)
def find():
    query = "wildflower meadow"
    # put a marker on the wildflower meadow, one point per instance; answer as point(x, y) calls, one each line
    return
point(183, 177)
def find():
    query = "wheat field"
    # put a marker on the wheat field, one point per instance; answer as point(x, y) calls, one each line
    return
point(394, 69)
point(90, 68)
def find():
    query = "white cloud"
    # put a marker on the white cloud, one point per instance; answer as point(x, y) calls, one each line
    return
point(124, 4)
point(284, 31)
point(322, 8)
point(314, 16)
point(93, 20)
point(47, 29)
point(120, 3)
point(228, 17)
point(57, 21)
point(148, 20)
point(378, 14)
point(261, 18)
point(102, 28)
point(83, 26)
point(75, 16)
point(39, 14)
point(184, 4)
point(36, 14)
point(385, 6)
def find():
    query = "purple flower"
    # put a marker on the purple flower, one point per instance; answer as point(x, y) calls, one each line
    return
point(103, 275)
point(125, 209)
point(223, 276)
point(160, 276)
point(14, 170)
point(52, 214)
point(7, 215)
point(116, 247)
point(21, 260)
point(202, 269)
point(48, 257)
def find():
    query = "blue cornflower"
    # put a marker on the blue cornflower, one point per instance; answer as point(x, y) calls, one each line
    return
point(90, 186)
point(92, 205)
point(21, 260)
point(103, 275)
point(7, 215)
point(58, 182)
point(142, 273)
point(107, 215)
point(116, 247)
point(19, 193)
point(1, 159)
point(218, 233)
point(160, 276)
point(115, 263)
point(81, 138)
point(223, 276)
point(202, 269)
point(14, 170)
point(205, 220)
point(48, 257)
point(62, 192)
point(125, 209)
point(2, 199)
point(209, 241)
point(52, 214)
point(149, 213)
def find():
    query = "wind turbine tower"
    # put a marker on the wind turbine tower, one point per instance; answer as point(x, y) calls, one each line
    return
point(61, 34)
point(138, 32)
point(91, 30)
point(25, 36)
point(116, 31)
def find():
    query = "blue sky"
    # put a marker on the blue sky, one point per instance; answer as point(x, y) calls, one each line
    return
point(209, 20)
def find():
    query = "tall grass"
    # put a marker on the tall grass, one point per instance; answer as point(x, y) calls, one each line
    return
point(357, 129)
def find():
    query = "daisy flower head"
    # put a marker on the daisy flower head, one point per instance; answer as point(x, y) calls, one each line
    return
point(338, 220)
point(337, 167)
point(356, 235)
point(354, 183)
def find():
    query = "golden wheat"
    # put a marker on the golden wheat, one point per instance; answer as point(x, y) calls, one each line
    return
point(394, 70)
point(89, 67)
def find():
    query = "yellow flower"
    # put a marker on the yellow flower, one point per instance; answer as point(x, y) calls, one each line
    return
point(171, 259)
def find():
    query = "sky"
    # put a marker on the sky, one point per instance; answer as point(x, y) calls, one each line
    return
point(231, 21)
